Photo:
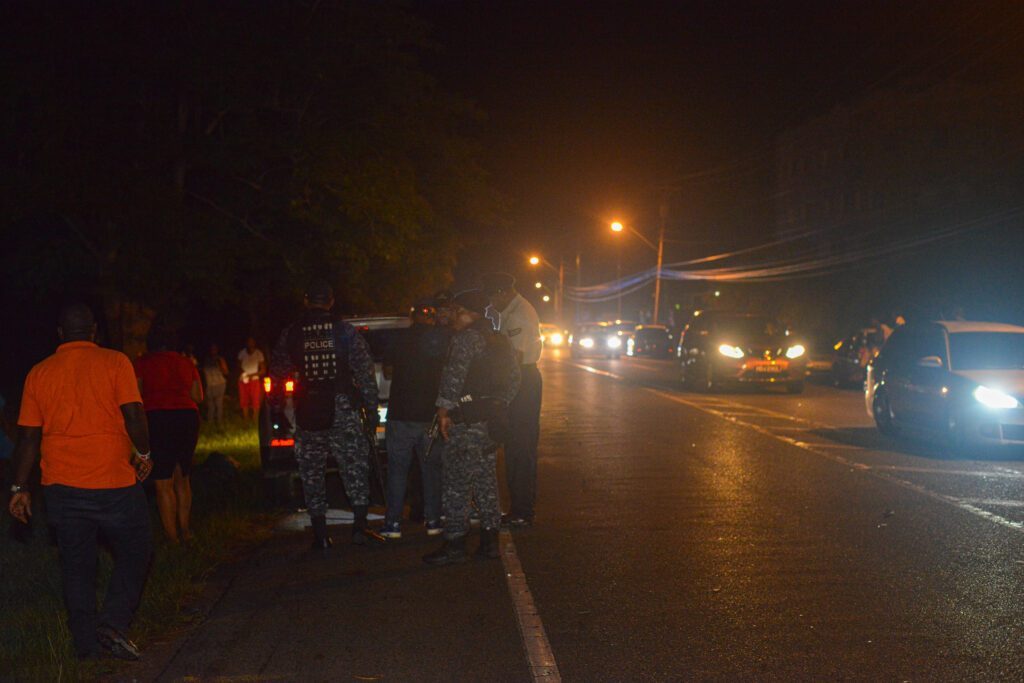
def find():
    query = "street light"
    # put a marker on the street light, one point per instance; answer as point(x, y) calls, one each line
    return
point(618, 227)
point(546, 298)
point(537, 260)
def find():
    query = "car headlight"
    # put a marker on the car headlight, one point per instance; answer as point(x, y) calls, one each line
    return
point(587, 343)
point(614, 342)
point(730, 351)
point(795, 351)
point(990, 398)
point(556, 339)
point(382, 411)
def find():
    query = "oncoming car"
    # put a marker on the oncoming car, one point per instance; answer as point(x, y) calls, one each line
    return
point(552, 336)
point(720, 349)
point(595, 339)
point(962, 381)
point(277, 411)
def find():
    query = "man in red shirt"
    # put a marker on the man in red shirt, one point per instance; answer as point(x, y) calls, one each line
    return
point(81, 415)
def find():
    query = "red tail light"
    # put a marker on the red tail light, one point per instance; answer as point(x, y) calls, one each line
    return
point(268, 384)
point(289, 386)
point(282, 442)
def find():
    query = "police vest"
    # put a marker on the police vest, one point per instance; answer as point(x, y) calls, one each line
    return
point(490, 372)
point(319, 349)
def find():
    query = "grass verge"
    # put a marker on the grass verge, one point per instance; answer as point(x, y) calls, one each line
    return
point(35, 644)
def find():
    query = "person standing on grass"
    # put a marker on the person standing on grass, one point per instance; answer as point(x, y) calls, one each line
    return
point(215, 372)
point(82, 416)
point(171, 391)
point(253, 367)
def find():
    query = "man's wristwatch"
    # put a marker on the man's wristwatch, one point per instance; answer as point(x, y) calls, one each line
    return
point(17, 489)
point(143, 456)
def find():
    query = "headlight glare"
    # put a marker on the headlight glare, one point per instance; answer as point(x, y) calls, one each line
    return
point(556, 339)
point(730, 351)
point(587, 343)
point(990, 398)
point(614, 342)
point(795, 351)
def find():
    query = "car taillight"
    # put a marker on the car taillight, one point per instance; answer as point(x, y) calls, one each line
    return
point(268, 384)
point(282, 442)
point(289, 386)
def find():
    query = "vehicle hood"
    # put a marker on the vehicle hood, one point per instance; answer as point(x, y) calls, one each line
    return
point(1010, 381)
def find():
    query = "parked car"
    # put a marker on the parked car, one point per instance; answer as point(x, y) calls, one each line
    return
point(595, 339)
point(650, 340)
point(277, 411)
point(720, 349)
point(962, 381)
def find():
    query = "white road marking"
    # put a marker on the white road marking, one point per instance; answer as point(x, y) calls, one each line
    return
point(995, 474)
point(879, 472)
point(997, 502)
point(535, 639)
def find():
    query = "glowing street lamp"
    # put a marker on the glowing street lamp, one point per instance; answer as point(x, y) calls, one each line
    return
point(538, 285)
point(538, 260)
point(546, 298)
point(616, 227)
point(535, 260)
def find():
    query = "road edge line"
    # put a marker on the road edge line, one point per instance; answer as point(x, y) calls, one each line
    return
point(535, 639)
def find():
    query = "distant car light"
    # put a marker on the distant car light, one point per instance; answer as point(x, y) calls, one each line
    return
point(289, 386)
point(382, 411)
point(268, 384)
point(795, 351)
point(556, 339)
point(587, 343)
point(730, 351)
point(990, 398)
point(614, 343)
point(281, 443)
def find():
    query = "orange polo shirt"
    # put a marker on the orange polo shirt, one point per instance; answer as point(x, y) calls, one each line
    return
point(76, 395)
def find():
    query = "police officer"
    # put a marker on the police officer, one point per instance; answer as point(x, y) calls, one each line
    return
point(334, 375)
point(517, 320)
point(480, 370)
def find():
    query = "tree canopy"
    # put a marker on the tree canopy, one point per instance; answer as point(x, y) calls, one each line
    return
point(156, 154)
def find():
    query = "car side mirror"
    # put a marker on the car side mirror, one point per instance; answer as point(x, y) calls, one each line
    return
point(929, 362)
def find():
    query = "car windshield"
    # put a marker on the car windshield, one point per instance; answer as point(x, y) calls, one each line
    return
point(652, 334)
point(593, 329)
point(746, 326)
point(987, 350)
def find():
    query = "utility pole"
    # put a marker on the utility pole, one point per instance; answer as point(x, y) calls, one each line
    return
point(661, 252)
point(561, 290)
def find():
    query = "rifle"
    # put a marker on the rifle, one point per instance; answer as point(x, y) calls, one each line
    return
point(371, 440)
point(433, 433)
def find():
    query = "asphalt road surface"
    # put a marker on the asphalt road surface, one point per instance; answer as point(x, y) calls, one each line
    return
point(679, 536)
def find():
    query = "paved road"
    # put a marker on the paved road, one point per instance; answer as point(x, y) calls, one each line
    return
point(679, 537)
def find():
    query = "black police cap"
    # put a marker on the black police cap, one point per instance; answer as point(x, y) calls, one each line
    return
point(473, 300)
point(319, 292)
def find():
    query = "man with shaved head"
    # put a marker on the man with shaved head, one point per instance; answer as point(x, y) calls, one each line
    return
point(82, 418)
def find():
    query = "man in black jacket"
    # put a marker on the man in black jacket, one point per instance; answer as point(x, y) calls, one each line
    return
point(413, 363)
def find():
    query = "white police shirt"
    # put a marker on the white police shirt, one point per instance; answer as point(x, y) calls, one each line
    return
point(519, 322)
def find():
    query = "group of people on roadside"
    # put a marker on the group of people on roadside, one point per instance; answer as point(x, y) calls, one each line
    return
point(99, 425)
point(464, 381)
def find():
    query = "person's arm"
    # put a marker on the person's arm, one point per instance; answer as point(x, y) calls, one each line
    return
point(263, 364)
point(364, 371)
point(137, 426)
point(26, 453)
point(465, 347)
point(223, 365)
point(195, 392)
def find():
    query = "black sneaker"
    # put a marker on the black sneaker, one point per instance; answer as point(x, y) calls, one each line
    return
point(366, 536)
point(117, 644)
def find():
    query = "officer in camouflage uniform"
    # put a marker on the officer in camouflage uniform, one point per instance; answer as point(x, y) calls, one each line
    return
point(334, 372)
point(470, 454)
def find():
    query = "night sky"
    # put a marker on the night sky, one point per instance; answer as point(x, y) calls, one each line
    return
point(595, 107)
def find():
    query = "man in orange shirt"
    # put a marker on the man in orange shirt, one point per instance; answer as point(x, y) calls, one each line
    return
point(82, 415)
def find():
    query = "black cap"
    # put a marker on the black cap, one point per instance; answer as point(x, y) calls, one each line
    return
point(319, 292)
point(492, 283)
point(443, 298)
point(473, 300)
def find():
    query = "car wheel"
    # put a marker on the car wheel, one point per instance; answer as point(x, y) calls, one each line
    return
point(795, 388)
point(882, 412)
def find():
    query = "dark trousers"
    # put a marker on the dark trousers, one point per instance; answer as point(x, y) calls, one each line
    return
point(521, 447)
point(80, 516)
